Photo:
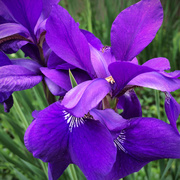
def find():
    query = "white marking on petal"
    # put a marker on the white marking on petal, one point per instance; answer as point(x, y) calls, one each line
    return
point(119, 141)
point(73, 121)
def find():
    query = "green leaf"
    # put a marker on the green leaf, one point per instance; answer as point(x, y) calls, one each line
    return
point(72, 79)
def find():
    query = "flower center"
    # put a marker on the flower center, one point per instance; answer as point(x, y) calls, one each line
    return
point(110, 79)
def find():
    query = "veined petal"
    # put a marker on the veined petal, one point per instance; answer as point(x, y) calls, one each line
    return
point(94, 143)
point(159, 64)
point(16, 78)
point(124, 165)
point(130, 104)
point(145, 140)
point(134, 28)
point(84, 97)
point(66, 40)
point(56, 169)
point(172, 109)
point(47, 136)
point(148, 139)
point(28, 64)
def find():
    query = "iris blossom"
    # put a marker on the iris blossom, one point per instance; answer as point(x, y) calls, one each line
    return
point(129, 36)
point(81, 129)
point(75, 131)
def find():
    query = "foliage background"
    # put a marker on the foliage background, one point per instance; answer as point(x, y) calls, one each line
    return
point(16, 163)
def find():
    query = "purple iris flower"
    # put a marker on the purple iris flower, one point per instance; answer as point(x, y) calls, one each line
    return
point(118, 63)
point(81, 129)
point(65, 133)
point(101, 142)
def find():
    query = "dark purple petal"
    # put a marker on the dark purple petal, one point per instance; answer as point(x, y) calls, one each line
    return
point(130, 104)
point(32, 51)
point(56, 62)
point(66, 40)
point(4, 96)
point(85, 96)
point(8, 103)
point(80, 75)
point(5, 15)
point(92, 149)
point(159, 64)
point(111, 119)
point(148, 139)
point(47, 136)
point(93, 40)
point(157, 81)
point(26, 12)
point(61, 78)
point(123, 72)
point(134, 28)
point(12, 46)
point(172, 109)
point(56, 169)
point(54, 88)
point(16, 78)
point(4, 60)
point(124, 165)
point(28, 64)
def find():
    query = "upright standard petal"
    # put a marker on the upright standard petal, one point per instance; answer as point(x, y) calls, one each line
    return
point(16, 78)
point(86, 96)
point(134, 28)
point(66, 40)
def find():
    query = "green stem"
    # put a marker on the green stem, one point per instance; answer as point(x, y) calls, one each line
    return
point(157, 99)
point(20, 113)
point(89, 15)
point(72, 172)
point(44, 167)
